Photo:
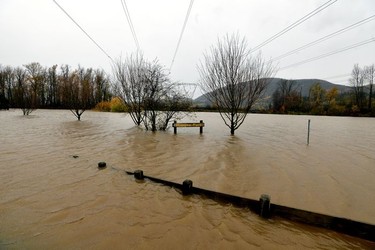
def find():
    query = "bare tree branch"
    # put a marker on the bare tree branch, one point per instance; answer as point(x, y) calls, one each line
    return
point(233, 80)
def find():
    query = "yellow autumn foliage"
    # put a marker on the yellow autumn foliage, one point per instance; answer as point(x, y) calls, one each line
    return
point(115, 105)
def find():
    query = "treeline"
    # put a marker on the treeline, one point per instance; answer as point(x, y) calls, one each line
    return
point(145, 91)
point(33, 86)
point(288, 98)
point(140, 87)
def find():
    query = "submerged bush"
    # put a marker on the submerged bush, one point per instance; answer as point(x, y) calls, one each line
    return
point(117, 105)
point(103, 107)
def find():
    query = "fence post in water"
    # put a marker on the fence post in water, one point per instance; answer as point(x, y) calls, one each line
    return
point(264, 205)
point(201, 127)
point(308, 132)
point(187, 185)
point(138, 174)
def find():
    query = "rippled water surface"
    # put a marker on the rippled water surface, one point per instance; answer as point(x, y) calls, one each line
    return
point(50, 199)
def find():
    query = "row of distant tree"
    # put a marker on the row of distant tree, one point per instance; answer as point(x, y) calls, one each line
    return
point(33, 86)
point(143, 88)
point(360, 100)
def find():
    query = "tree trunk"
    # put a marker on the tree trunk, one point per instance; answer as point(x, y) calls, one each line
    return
point(370, 98)
point(232, 129)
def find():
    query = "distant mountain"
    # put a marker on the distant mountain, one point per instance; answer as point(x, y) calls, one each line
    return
point(302, 84)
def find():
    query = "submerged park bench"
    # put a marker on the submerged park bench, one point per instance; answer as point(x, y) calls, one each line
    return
point(200, 125)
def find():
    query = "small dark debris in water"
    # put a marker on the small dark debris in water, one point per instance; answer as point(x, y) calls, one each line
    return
point(102, 165)
point(75, 156)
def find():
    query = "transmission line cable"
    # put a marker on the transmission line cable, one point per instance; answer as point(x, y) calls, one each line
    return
point(128, 18)
point(335, 77)
point(322, 39)
point(71, 18)
point(295, 24)
point(182, 32)
point(330, 53)
point(340, 81)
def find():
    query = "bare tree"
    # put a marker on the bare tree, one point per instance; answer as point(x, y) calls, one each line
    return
point(174, 105)
point(130, 79)
point(4, 102)
point(357, 82)
point(24, 92)
point(53, 87)
point(10, 83)
point(37, 75)
point(233, 80)
point(369, 76)
point(77, 90)
point(101, 86)
point(156, 88)
point(287, 96)
point(147, 92)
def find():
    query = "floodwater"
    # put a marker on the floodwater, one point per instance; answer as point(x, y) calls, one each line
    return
point(50, 199)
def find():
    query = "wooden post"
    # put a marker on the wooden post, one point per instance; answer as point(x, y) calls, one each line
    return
point(264, 205)
point(201, 127)
point(187, 185)
point(174, 127)
point(308, 132)
point(138, 174)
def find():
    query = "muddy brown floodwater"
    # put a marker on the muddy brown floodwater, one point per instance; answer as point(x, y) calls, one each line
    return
point(52, 200)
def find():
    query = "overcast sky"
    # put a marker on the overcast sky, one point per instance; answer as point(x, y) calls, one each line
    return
point(39, 31)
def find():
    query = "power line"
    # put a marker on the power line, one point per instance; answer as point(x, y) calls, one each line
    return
point(128, 18)
point(71, 18)
point(336, 76)
point(295, 24)
point(330, 53)
point(182, 32)
point(340, 81)
point(338, 32)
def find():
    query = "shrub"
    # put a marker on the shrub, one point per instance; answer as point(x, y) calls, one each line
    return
point(117, 105)
point(103, 107)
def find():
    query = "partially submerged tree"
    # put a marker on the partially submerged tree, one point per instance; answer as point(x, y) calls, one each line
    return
point(129, 76)
point(370, 76)
point(174, 105)
point(146, 90)
point(36, 77)
point(77, 90)
point(156, 88)
point(9, 84)
point(357, 82)
point(4, 102)
point(23, 92)
point(233, 80)
point(53, 87)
